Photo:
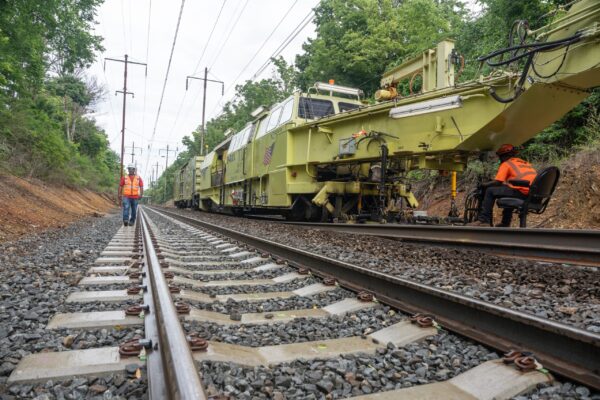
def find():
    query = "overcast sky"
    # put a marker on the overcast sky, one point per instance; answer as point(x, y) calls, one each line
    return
point(240, 31)
point(124, 26)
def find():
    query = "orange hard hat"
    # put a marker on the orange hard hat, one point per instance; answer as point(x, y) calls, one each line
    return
point(505, 149)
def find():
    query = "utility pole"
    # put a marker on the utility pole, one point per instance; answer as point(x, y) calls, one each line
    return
point(155, 172)
point(166, 166)
point(133, 149)
point(153, 179)
point(205, 79)
point(125, 93)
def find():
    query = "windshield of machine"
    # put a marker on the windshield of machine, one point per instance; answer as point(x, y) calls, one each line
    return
point(347, 106)
point(314, 108)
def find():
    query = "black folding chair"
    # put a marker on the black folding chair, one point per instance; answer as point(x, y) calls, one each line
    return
point(540, 192)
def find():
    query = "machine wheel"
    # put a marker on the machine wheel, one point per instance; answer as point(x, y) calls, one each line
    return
point(472, 204)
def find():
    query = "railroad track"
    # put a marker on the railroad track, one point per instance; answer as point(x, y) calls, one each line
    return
point(223, 282)
point(559, 245)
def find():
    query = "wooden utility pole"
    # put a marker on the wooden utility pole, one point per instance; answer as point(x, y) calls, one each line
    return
point(205, 79)
point(125, 93)
point(166, 166)
point(133, 149)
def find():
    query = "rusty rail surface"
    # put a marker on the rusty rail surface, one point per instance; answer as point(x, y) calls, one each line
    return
point(564, 349)
point(172, 372)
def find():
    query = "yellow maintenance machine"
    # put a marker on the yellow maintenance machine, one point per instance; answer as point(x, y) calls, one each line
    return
point(185, 184)
point(324, 154)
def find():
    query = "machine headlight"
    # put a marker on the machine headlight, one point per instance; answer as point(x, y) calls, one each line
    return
point(424, 107)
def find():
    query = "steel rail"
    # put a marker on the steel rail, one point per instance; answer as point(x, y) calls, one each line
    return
point(176, 369)
point(564, 349)
point(578, 246)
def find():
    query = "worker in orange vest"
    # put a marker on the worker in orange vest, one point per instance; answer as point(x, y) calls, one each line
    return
point(131, 189)
point(511, 168)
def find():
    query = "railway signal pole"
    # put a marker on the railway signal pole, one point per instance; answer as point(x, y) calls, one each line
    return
point(125, 93)
point(205, 80)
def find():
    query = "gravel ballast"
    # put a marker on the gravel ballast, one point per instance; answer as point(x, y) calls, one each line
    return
point(38, 273)
point(516, 285)
point(52, 273)
point(569, 294)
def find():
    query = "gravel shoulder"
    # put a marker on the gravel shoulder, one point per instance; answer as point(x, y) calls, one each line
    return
point(38, 272)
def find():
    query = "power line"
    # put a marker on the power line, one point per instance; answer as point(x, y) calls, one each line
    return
point(112, 109)
point(162, 96)
point(262, 45)
point(196, 68)
point(146, 77)
point(209, 37)
point(229, 32)
point(123, 21)
point(308, 19)
point(256, 54)
point(130, 28)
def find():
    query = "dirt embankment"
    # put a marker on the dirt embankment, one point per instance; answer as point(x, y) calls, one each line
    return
point(29, 205)
point(575, 204)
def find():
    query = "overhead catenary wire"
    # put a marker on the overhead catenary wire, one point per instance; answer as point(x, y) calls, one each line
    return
point(232, 85)
point(130, 29)
point(125, 51)
point(286, 42)
point(229, 32)
point(262, 45)
point(212, 31)
point(147, 57)
point(112, 109)
point(181, 103)
point(162, 96)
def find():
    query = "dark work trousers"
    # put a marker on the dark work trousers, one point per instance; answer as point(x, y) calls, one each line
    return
point(489, 198)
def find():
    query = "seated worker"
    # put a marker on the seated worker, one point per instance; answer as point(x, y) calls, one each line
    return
point(510, 168)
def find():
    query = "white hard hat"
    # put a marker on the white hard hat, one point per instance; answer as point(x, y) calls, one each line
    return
point(131, 166)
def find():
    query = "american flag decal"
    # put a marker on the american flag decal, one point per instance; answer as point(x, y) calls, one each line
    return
point(268, 154)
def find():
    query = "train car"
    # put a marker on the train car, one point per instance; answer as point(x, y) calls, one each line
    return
point(247, 172)
point(177, 190)
point(185, 183)
point(326, 155)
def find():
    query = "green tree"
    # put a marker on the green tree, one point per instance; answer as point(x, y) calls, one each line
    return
point(44, 132)
point(38, 35)
point(357, 40)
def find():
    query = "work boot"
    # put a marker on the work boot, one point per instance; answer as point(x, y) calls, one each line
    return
point(125, 223)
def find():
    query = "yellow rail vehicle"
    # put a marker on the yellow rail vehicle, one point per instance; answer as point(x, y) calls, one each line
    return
point(185, 184)
point(324, 154)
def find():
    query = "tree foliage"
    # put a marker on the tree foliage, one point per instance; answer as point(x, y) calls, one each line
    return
point(44, 97)
point(357, 40)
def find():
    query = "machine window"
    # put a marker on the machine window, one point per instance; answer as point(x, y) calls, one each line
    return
point(248, 134)
point(286, 114)
point(262, 128)
point(347, 106)
point(314, 108)
point(274, 119)
point(240, 139)
point(208, 160)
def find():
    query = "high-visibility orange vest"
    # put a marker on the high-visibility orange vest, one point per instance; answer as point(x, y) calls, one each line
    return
point(519, 169)
point(131, 187)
